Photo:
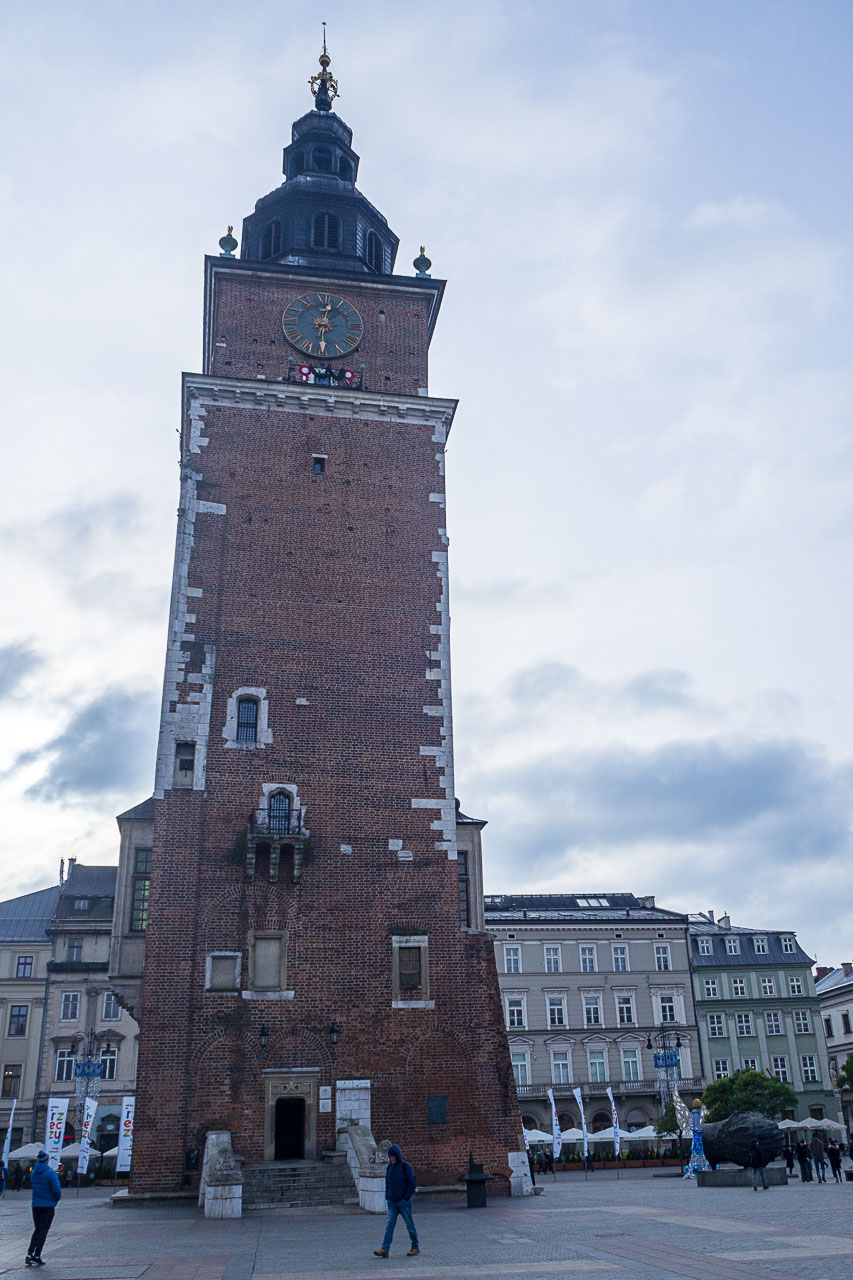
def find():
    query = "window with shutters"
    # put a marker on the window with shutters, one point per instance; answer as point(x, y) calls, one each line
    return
point(374, 251)
point(326, 231)
point(410, 972)
point(271, 240)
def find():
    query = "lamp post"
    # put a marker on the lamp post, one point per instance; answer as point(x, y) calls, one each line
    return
point(666, 1064)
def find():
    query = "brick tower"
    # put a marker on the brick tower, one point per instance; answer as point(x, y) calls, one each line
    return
point(312, 955)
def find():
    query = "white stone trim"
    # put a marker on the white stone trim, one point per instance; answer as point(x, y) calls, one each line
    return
point(229, 731)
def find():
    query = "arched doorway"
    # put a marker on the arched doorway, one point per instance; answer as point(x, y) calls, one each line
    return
point(289, 1129)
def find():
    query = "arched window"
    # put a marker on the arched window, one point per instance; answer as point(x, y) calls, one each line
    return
point(345, 169)
point(322, 160)
point(279, 810)
point(247, 719)
point(326, 231)
point(271, 240)
point(374, 251)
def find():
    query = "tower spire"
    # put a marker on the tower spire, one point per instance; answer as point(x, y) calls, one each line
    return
point(324, 86)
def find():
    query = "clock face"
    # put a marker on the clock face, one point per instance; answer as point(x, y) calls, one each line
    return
point(322, 324)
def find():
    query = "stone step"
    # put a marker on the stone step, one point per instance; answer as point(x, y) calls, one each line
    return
point(297, 1182)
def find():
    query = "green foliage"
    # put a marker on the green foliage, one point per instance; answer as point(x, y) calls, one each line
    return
point(844, 1080)
point(748, 1091)
point(668, 1122)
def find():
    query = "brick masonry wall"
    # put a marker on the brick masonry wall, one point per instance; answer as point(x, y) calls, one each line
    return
point(327, 591)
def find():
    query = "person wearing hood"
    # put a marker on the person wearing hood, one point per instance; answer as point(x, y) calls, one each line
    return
point(399, 1189)
point(47, 1194)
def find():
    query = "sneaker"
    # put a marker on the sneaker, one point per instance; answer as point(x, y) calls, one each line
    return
point(380, 1253)
point(28, 1260)
point(413, 1253)
point(39, 1262)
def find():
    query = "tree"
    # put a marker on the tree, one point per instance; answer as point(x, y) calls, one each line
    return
point(668, 1122)
point(844, 1079)
point(748, 1091)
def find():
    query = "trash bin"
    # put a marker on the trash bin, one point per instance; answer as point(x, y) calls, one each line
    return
point(475, 1183)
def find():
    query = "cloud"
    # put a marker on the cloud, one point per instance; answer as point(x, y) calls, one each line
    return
point(17, 660)
point(105, 749)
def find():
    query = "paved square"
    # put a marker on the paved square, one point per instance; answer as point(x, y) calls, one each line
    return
point(635, 1229)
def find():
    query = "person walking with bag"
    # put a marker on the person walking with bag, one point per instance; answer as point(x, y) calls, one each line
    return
point(47, 1194)
point(399, 1189)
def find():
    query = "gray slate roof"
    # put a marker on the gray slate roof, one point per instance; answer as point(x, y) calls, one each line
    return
point(25, 919)
point(701, 926)
point(838, 978)
point(521, 907)
point(143, 812)
point(97, 884)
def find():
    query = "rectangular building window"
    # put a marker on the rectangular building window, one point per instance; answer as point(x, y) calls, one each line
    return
point(706, 947)
point(630, 1064)
point(760, 945)
point(667, 1009)
point(597, 1065)
point(12, 1080)
point(70, 1007)
point(711, 991)
point(768, 986)
point(223, 970)
point(809, 1062)
point(845, 1023)
point(184, 764)
point(24, 967)
point(743, 1022)
point(247, 720)
point(620, 959)
point(464, 889)
point(662, 958)
point(780, 1068)
point(738, 986)
point(592, 1011)
point(802, 1022)
point(721, 1068)
point(266, 963)
point(519, 1068)
point(64, 1065)
point(589, 963)
point(109, 1059)
point(560, 1070)
point(515, 1013)
point(111, 1011)
point(795, 986)
point(749, 1064)
point(512, 959)
point(625, 1011)
point(139, 904)
point(828, 1028)
point(74, 950)
point(437, 1110)
point(716, 1028)
point(411, 969)
point(556, 1011)
point(788, 946)
point(552, 960)
point(773, 1022)
point(18, 1019)
point(733, 946)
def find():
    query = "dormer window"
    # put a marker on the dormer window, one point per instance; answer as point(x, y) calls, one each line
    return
point(322, 160)
point(81, 904)
point(326, 231)
point(271, 240)
point(374, 251)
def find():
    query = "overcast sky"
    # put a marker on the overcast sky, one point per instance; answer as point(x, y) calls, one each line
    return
point(650, 505)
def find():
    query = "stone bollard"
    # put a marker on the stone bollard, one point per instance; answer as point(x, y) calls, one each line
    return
point(221, 1189)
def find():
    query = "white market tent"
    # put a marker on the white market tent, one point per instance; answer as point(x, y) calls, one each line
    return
point(811, 1123)
point(28, 1152)
point(606, 1135)
point(537, 1135)
point(648, 1134)
point(572, 1135)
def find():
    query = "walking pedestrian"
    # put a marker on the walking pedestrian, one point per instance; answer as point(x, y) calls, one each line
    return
point(804, 1160)
point(47, 1194)
point(756, 1159)
point(817, 1149)
point(17, 1176)
point(833, 1152)
point(4, 1174)
point(789, 1158)
point(399, 1189)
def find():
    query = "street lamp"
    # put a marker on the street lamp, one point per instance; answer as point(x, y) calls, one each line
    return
point(666, 1064)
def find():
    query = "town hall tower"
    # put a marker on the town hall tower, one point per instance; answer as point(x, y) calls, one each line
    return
point(312, 955)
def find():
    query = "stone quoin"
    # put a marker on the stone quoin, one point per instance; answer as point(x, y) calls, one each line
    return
point(314, 951)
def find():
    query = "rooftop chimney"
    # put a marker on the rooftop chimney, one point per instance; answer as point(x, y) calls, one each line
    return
point(725, 922)
point(709, 913)
point(847, 966)
point(72, 863)
point(823, 970)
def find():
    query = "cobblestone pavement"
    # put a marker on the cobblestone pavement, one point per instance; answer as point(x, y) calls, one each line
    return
point(634, 1229)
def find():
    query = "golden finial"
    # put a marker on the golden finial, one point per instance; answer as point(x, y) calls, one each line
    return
point(324, 86)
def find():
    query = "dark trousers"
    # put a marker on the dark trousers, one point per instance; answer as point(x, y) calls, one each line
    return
point(758, 1172)
point(42, 1218)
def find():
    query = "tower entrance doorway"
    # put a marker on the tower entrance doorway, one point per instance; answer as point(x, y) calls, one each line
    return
point(289, 1129)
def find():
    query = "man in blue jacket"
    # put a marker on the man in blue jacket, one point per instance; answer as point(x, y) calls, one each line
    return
point(47, 1194)
point(399, 1189)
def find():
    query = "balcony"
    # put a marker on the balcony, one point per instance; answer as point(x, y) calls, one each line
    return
point(275, 835)
point(594, 1088)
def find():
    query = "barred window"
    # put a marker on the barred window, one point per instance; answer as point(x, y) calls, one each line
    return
point(247, 719)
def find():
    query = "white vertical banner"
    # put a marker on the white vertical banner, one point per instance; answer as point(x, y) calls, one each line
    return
point(57, 1111)
point(125, 1134)
point(7, 1145)
point(89, 1108)
point(615, 1114)
point(555, 1126)
point(579, 1101)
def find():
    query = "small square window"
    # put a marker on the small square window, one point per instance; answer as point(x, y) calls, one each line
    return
point(711, 991)
point(24, 967)
point(223, 971)
point(788, 946)
point(721, 1068)
point(705, 947)
point(437, 1110)
point(733, 946)
point(760, 945)
point(738, 986)
point(768, 986)
point(795, 986)
point(319, 464)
